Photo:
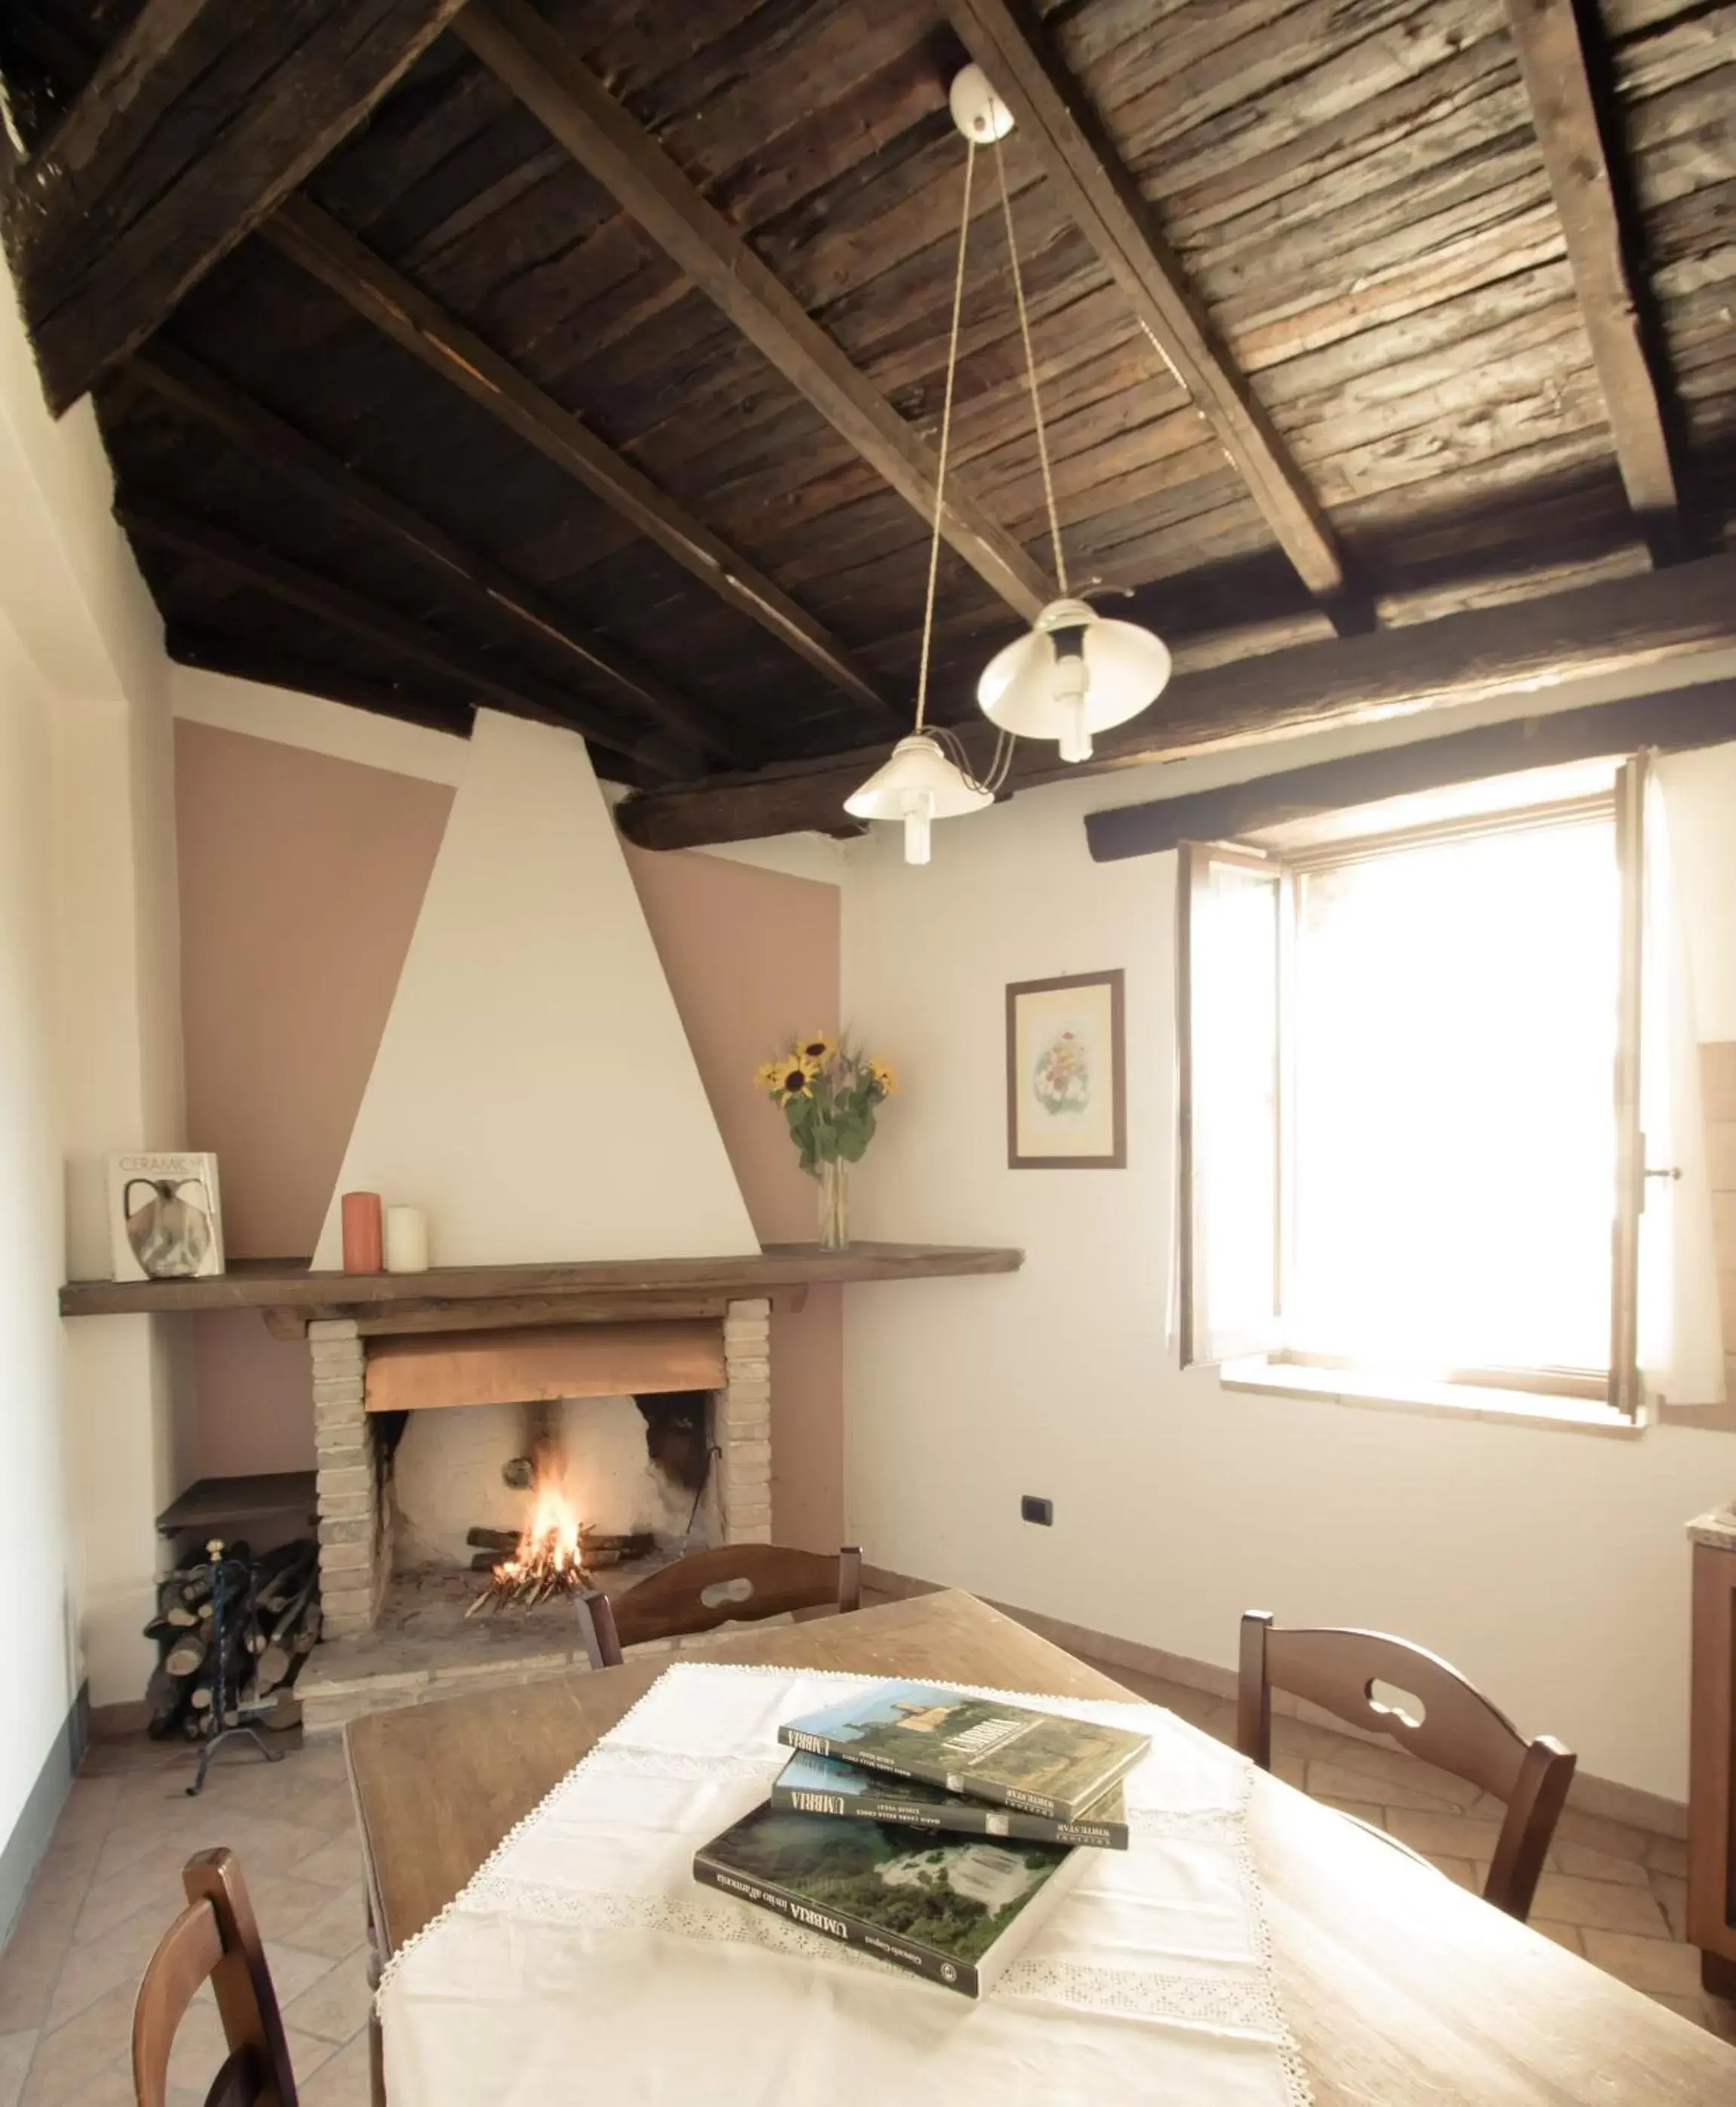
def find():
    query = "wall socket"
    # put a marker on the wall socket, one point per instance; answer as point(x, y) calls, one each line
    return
point(1032, 1509)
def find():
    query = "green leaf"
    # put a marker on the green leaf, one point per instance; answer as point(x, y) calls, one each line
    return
point(855, 1135)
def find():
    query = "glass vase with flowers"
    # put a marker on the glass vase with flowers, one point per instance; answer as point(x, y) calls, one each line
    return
point(830, 1093)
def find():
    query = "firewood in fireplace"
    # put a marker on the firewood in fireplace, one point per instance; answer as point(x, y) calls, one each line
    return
point(496, 1540)
point(600, 1551)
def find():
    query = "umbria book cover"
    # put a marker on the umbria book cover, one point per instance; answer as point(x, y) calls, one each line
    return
point(955, 1909)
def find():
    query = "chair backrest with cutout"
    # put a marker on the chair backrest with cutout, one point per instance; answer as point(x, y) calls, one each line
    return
point(734, 1582)
point(215, 1938)
point(1389, 1687)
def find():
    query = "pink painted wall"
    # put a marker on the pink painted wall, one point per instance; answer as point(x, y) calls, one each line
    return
point(301, 879)
point(753, 960)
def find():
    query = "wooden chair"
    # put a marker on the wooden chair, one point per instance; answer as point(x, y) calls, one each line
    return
point(1460, 1730)
point(216, 1939)
point(743, 1582)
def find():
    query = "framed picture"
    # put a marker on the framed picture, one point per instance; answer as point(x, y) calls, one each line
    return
point(1066, 1082)
point(165, 1220)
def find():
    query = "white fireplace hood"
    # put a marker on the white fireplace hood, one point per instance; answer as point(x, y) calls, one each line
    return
point(534, 1090)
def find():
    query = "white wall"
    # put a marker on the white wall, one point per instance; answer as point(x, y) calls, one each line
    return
point(35, 1551)
point(88, 955)
point(1549, 1564)
point(534, 1091)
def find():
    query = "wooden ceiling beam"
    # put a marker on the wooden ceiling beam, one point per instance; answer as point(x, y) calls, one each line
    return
point(402, 312)
point(247, 658)
point(1564, 108)
point(198, 120)
point(1618, 627)
point(1059, 126)
point(519, 694)
point(1673, 722)
point(195, 391)
point(542, 70)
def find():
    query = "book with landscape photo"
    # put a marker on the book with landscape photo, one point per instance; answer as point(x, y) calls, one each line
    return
point(821, 1785)
point(1036, 1762)
point(955, 1909)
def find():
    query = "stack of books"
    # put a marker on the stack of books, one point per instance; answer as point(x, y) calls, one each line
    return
point(929, 1829)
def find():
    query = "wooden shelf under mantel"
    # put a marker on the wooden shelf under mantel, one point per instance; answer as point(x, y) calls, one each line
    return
point(481, 1297)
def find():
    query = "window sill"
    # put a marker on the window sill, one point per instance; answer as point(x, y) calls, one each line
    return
point(1260, 1375)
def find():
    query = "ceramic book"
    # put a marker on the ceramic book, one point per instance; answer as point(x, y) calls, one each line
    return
point(955, 1909)
point(821, 1785)
point(165, 1219)
point(1035, 1762)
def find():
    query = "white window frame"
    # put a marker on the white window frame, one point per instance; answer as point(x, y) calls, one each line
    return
point(1618, 1390)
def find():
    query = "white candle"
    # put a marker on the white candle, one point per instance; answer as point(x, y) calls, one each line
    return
point(406, 1240)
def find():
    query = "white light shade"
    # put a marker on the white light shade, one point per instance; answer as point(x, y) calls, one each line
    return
point(1034, 687)
point(917, 784)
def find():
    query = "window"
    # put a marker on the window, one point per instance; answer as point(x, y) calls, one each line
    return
point(1408, 1104)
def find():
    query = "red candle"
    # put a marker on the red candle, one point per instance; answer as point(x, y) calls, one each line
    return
point(364, 1250)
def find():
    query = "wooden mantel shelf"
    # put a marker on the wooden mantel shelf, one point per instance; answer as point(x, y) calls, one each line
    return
point(607, 1291)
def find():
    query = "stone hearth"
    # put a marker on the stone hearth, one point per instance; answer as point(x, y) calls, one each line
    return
point(396, 1634)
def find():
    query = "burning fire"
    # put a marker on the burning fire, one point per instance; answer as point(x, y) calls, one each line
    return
point(548, 1559)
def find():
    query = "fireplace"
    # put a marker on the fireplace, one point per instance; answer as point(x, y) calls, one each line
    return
point(432, 1451)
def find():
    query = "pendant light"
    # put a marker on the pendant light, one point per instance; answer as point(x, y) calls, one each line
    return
point(927, 777)
point(1076, 671)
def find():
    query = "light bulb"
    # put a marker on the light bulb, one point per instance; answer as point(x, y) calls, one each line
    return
point(918, 813)
point(1069, 684)
point(1075, 731)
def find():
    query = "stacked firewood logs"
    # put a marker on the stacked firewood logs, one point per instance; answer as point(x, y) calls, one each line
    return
point(271, 1622)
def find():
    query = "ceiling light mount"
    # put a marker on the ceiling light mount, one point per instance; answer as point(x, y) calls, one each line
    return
point(977, 110)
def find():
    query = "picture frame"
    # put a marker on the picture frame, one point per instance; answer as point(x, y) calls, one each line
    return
point(1066, 1073)
point(165, 1215)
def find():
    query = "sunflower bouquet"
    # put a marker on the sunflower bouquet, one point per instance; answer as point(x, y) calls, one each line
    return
point(829, 1094)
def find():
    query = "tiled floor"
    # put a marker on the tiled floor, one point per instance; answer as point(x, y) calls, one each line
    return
point(109, 1885)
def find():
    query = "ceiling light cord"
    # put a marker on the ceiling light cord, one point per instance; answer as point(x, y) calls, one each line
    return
point(1030, 375)
point(946, 438)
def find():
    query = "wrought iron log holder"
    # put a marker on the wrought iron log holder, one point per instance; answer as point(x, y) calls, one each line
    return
point(231, 1590)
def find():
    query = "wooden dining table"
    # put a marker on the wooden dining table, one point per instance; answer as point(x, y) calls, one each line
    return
point(1400, 1987)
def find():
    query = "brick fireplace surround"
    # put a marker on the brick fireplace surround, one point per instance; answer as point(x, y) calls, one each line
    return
point(356, 1549)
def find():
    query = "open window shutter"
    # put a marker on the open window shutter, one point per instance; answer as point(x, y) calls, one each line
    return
point(1630, 1195)
point(1679, 1338)
point(1229, 957)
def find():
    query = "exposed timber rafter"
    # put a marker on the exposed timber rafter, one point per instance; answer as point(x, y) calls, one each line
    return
point(402, 312)
point(198, 120)
point(1552, 65)
point(1061, 129)
point(514, 42)
point(1673, 722)
point(521, 695)
point(195, 391)
point(1622, 625)
point(246, 658)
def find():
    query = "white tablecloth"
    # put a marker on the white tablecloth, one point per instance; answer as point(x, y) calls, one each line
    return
point(584, 1962)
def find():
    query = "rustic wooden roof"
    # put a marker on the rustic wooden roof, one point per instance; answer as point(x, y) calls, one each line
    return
point(349, 450)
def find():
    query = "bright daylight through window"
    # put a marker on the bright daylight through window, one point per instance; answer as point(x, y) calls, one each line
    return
point(1454, 1034)
point(1400, 1129)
